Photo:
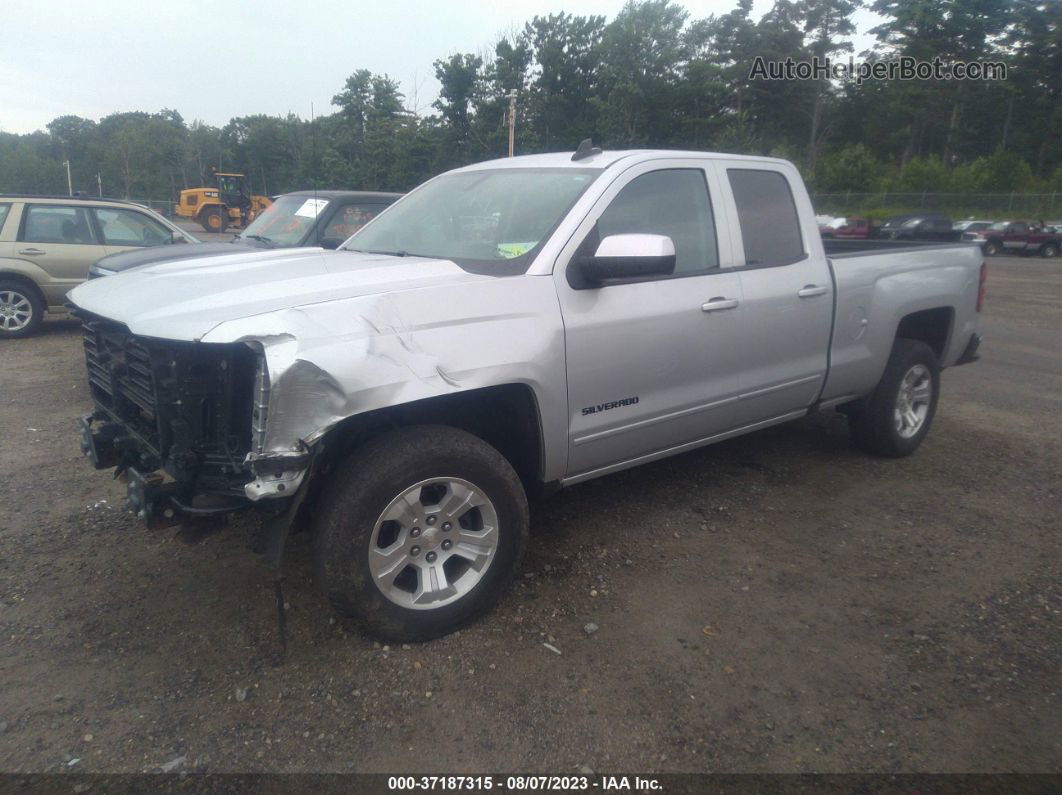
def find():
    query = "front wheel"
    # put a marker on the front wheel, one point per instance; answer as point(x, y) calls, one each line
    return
point(420, 533)
point(992, 248)
point(895, 418)
point(214, 220)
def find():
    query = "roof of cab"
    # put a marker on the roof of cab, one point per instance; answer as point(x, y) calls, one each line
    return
point(331, 195)
point(605, 159)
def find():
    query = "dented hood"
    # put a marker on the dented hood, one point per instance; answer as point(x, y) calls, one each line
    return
point(185, 299)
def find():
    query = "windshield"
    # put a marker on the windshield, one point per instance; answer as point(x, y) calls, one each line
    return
point(286, 221)
point(999, 225)
point(912, 222)
point(490, 220)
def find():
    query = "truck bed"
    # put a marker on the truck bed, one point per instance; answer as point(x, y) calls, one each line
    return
point(880, 283)
point(849, 247)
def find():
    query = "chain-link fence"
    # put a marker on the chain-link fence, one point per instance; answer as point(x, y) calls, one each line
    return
point(160, 206)
point(1040, 206)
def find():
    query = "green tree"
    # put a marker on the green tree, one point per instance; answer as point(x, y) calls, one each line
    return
point(643, 54)
point(567, 62)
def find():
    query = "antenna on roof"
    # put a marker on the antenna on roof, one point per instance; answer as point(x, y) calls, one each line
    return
point(585, 149)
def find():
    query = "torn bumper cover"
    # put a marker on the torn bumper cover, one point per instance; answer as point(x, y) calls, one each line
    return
point(179, 421)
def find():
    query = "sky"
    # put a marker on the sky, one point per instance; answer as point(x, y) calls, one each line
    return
point(215, 60)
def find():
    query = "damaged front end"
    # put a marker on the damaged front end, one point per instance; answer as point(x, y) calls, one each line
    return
point(185, 424)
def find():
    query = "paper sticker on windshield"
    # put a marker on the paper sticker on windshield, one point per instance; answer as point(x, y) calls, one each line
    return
point(510, 250)
point(311, 208)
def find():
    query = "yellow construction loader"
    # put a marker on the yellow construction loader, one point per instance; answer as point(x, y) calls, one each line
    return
point(228, 203)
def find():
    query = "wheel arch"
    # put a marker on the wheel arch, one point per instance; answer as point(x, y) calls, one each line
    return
point(22, 278)
point(931, 326)
point(505, 416)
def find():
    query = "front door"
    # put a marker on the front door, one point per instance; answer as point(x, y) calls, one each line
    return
point(124, 229)
point(651, 364)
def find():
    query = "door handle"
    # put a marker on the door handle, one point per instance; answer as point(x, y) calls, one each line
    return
point(32, 252)
point(718, 304)
point(811, 290)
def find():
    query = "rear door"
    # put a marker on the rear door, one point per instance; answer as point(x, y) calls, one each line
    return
point(787, 292)
point(61, 240)
point(1015, 236)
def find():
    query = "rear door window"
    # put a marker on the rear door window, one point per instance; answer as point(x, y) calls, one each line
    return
point(5, 210)
point(56, 223)
point(767, 215)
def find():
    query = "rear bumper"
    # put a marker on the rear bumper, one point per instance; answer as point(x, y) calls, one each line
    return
point(970, 354)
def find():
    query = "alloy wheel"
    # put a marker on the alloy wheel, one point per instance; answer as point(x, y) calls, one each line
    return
point(433, 543)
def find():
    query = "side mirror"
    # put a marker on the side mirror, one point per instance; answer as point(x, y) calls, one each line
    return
point(177, 237)
point(630, 257)
point(331, 242)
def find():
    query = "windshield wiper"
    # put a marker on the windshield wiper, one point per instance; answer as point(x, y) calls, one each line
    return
point(373, 251)
point(262, 239)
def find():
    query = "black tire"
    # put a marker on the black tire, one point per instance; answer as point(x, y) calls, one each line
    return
point(1049, 250)
point(363, 487)
point(873, 420)
point(214, 220)
point(15, 297)
point(992, 248)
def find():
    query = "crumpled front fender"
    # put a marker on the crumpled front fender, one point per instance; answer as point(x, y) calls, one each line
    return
point(324, 363)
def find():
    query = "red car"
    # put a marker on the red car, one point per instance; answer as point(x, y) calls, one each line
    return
point(1017, 237)
point(848, 229)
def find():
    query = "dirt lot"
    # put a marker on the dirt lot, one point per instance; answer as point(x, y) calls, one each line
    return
point(776, 603)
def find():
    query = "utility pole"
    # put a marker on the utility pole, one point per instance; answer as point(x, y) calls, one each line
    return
point(69, 184)
point(99, 184)
point(512, 120)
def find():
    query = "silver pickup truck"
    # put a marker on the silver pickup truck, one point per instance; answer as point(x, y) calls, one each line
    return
point(503, 330)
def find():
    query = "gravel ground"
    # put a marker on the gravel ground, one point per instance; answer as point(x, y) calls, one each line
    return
point(779, 603)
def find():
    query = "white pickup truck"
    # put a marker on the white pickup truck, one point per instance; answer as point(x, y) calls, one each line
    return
point(505, 329)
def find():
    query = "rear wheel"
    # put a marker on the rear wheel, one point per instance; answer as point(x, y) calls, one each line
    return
point(214, 220)
point(21, 309)
point(420, 532)
point(1049, 250)
point(893, 421)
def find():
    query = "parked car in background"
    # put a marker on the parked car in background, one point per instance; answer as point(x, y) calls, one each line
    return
point(970, 225)
point(47, 244)
point(990, 237)
point(829, 223)
point(927, 227)
point(848, 229)
point(1018, 237)
point(305, 218)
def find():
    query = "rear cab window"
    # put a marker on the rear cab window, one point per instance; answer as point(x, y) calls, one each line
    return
point(767, 216)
